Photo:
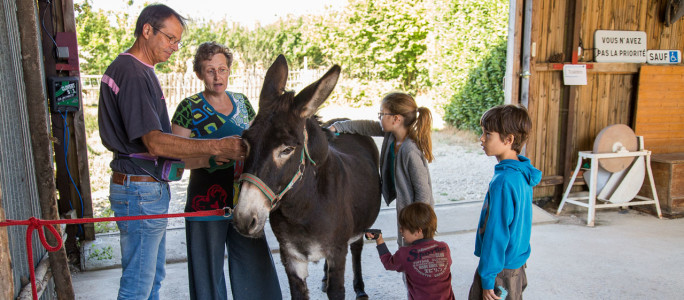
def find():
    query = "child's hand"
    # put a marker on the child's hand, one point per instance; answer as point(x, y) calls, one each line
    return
point(489, 295)
point(379, 240)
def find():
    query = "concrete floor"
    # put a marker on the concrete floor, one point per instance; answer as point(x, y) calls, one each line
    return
point(627, 255)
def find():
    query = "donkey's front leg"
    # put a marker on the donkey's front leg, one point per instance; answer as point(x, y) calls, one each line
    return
point(336, 265)
point(359, 286)
point(324, 281)
point(297, 271)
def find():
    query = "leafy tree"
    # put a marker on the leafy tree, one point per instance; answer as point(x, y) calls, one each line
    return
point(195, 33)
point(481, 91)
point(257, 47)
point(101, 35)
point(388, 38)
point(447, 48)
point(472, 35)
point(467, 31)
point(260, 46)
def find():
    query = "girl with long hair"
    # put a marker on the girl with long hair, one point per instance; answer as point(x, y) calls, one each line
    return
point(406, 149)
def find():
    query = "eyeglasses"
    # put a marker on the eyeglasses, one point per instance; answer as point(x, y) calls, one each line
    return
point(220, 72)
point(171, 39)
point(382, 114)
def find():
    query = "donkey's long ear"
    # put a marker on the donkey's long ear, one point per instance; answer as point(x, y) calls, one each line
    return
point(274, 82)
point(312, 96)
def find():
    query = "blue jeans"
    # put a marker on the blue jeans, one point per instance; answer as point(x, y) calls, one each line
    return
point(143, 242)
point(252, 272)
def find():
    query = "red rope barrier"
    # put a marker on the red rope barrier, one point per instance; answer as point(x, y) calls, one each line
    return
point(34, 223)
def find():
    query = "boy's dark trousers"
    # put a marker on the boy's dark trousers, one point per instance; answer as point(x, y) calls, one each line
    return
point(514, 281)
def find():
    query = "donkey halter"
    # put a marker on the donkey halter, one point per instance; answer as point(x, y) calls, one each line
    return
point(272, 196)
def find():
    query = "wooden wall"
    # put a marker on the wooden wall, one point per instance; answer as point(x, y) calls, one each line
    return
point(660, 108)
point(610, 95)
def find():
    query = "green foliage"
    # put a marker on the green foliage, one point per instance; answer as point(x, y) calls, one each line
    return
point(357, 92)
point(102, 227)
point(195, 33)
point(417, 46)
point(101, 253)
point(387, 39)
point(467, 30)
point(473, 57)
point(102, 35)
point(255, 47)
point(262, 45)
point(252, 48)
point(483, 89)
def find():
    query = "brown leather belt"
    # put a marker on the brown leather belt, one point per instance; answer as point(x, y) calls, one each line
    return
point(120, 178)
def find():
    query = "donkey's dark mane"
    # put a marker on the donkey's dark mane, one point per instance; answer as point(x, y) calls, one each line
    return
point(324, 126)
point(282, 105)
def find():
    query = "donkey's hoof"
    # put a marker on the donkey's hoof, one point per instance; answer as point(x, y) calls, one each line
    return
point(324, 286)
point(361, 295)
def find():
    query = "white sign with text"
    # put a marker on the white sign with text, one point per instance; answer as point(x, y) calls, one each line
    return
point(575, 74)
point(664, 56)
point(620, 46)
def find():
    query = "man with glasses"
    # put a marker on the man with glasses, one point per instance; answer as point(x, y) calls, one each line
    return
point(133, 119)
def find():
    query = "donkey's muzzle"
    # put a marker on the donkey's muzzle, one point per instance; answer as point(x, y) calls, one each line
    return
point(251, 211)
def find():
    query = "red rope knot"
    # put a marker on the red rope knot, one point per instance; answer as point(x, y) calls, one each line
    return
point(35, 223)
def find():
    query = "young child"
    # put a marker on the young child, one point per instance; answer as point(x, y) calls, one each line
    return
point(503, 233)
point(425, 262)
point(405, 152)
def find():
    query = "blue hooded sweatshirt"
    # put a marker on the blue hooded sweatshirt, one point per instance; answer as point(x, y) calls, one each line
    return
point(503, 233)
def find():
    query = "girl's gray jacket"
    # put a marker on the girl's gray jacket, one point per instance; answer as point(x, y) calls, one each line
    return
point(412, 176)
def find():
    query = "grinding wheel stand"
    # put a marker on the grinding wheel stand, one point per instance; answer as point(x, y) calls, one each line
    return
point(622, 167)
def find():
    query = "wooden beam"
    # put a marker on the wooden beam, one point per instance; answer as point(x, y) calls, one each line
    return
point(32, 61)
point(568, 143)
point(80, 154)
point(68, 16)
point(554, 180)
point(517, 49)
point(551, 180)
point(6, 277)
point(594, 68)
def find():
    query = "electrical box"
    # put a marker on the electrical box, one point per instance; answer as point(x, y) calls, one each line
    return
point(64, 93)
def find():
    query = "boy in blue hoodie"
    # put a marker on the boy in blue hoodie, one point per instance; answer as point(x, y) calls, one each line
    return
point(503, 233)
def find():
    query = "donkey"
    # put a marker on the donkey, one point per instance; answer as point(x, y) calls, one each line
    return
point(320, 191)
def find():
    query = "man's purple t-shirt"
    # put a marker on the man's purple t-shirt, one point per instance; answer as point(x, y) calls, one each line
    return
point(427, 265)
point(131, 105)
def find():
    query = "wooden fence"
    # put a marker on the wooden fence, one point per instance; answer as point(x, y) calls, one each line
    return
point(178, 86)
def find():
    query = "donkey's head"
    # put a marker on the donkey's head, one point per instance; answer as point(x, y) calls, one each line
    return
point(278, 153)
